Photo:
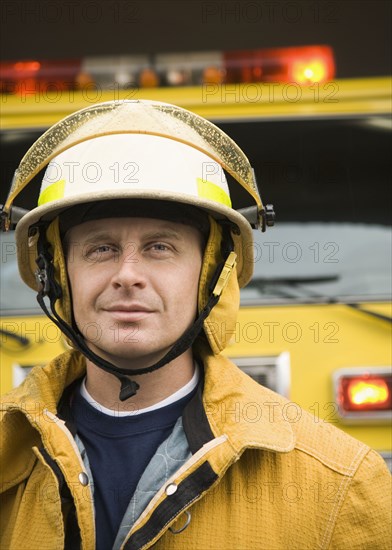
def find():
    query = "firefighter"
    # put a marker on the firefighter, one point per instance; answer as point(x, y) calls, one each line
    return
point(142, 433)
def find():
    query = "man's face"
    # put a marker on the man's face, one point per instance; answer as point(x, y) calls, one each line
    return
point(134, 284)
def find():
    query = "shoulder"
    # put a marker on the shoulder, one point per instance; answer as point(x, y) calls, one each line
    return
point(328, 444)
point(257, 417)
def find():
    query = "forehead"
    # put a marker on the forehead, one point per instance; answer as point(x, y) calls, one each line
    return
point(135, 227)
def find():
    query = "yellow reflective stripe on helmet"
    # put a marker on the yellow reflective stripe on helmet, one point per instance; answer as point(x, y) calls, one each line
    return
point(208, 190)
point(52, 192)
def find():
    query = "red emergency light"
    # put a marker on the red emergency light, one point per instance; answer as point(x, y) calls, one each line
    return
point(32, 76)
point(302, 65)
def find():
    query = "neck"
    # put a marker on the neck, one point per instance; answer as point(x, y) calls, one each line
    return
point(104, 388)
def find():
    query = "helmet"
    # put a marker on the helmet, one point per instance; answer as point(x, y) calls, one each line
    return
point(149, 151)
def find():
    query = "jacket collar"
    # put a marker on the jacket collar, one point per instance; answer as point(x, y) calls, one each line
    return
point(250, 415)
point(44, 387)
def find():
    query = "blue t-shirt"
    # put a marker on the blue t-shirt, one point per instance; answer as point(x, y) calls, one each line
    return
point(119, 450)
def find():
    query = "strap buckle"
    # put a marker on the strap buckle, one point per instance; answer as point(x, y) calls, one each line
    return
point(41, 274)
point(221, 283)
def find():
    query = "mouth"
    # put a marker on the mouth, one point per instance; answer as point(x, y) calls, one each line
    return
point(130, 314)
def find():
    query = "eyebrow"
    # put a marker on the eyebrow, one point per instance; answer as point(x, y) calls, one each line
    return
point(168, 233)
point(163, 233)
point(92, 236)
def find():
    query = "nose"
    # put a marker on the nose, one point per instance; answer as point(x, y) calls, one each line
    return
point(129, 271)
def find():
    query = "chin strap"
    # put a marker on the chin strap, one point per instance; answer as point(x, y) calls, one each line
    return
point(50, 288)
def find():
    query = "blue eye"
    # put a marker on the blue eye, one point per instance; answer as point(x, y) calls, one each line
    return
point(101, 252)
point(159, 249)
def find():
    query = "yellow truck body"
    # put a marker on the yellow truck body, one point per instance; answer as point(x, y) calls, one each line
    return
point(291, 334)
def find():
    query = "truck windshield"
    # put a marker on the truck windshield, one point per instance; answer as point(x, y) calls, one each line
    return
point(321, 262)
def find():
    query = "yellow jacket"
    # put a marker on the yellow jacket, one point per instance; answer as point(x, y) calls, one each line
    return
point(263, 475)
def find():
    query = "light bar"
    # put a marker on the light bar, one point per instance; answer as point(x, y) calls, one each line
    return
point(304, 65)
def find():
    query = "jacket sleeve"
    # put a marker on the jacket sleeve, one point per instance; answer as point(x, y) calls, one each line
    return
point(364, 519)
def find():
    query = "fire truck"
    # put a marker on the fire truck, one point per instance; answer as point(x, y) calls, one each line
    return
point(315, 321)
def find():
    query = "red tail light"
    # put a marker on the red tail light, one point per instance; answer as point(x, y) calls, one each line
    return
point(364, 393)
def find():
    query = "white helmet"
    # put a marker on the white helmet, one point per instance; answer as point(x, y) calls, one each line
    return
point(149, 151)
